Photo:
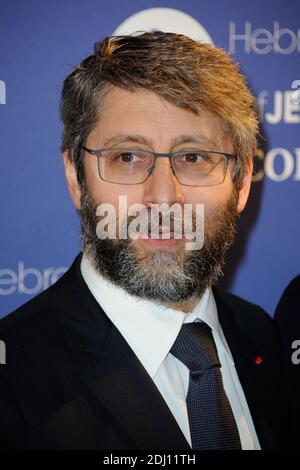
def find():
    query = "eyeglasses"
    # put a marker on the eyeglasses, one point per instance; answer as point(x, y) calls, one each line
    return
point(134, 166)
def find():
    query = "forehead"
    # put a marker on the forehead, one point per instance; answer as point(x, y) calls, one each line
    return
point(146, 114)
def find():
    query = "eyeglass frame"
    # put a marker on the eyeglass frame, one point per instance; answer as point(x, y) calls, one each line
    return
point(170, 156)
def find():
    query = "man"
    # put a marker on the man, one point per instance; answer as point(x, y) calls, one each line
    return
point(131, 348)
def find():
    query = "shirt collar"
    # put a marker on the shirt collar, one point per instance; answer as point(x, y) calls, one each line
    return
point(149, 328)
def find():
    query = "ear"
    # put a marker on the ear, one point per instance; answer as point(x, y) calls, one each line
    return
point(71, 177)
point(245, 187)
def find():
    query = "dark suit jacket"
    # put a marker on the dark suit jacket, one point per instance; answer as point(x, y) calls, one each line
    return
point(72, 382)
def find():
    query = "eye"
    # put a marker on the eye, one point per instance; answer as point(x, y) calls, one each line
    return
point(127, 157)
point(193, 157)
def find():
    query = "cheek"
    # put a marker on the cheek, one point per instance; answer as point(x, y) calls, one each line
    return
point(212, 197)
point(99, 190)
point(119, 196)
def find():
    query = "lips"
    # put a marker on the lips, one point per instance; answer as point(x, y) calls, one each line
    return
point(159, 236)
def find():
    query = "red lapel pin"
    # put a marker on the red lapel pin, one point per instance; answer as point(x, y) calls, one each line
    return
point(258, 360)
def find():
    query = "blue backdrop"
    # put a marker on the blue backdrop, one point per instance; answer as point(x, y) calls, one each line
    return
point(40, 41)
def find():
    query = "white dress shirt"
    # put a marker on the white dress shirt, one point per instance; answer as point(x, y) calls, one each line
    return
point(150, 330)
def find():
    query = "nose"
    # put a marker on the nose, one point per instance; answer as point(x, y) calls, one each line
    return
point(162, 186)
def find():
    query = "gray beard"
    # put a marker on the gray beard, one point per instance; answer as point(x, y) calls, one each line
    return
point(162, 276)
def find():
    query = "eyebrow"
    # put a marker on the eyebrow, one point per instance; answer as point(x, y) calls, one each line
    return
point(179, 140)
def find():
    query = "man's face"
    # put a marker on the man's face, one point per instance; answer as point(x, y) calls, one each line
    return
point(161, 270)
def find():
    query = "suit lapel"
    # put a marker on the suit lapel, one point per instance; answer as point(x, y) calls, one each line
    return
point(115, 376)
point(251, 368)
point(121, 383)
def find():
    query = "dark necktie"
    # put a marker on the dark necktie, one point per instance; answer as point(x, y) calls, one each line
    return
point(212, 424)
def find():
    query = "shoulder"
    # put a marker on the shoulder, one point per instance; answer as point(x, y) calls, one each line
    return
point(241, 307)
point(289, 303)
point(248, 318)
point(33, 320)
point(293, 289)
point(33, 344)
point(27, 319)
point(34, 327)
